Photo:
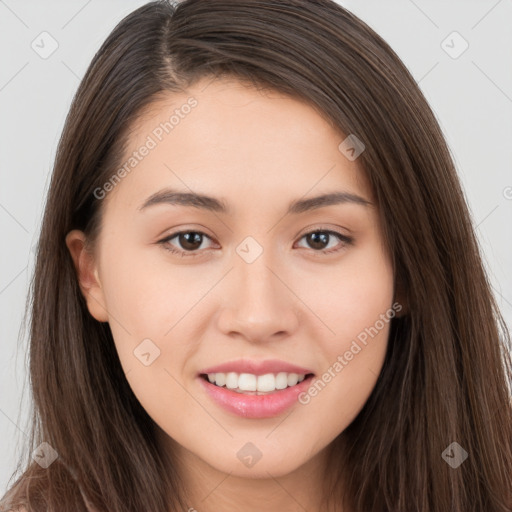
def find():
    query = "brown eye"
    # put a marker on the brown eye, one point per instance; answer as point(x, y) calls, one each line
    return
point(319, 241)
point(188, 242)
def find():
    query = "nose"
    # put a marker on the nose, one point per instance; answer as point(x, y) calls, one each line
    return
point(259, 305)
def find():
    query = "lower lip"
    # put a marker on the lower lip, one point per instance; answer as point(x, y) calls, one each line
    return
point(256, 406)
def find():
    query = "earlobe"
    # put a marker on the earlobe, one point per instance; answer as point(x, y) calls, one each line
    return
point(87, 275)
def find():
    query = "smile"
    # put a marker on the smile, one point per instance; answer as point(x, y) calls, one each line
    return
point(257, 384)
point(268, 395)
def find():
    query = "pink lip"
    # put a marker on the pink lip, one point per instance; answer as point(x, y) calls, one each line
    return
point(256, 367)
point(255, 406)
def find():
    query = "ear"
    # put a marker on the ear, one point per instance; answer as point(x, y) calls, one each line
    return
point(87, 273)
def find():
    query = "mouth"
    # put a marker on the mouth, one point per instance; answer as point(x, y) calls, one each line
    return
point(253, 396)
point(251, 384)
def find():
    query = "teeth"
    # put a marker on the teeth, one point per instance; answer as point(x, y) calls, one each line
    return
point(231, 380)
point(249, 382)
point(220, 379)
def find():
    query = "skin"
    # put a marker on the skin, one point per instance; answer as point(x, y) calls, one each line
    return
point(258, 151)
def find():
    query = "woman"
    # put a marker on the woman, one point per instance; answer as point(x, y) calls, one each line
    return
point(257, 283)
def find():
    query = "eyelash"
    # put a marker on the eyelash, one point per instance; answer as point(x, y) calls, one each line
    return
point(343, 238)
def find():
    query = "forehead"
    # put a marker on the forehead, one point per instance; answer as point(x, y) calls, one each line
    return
point(224, 137)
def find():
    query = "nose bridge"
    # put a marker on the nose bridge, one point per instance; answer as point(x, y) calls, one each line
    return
point(259, 305)
point(259, 288)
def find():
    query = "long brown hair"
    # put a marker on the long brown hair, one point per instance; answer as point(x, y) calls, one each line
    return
point(448, 369)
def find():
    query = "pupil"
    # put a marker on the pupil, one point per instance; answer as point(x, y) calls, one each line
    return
point(315, 237)
point(186, 243)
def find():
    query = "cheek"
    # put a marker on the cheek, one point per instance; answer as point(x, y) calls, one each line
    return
point(355, 302)
point(352, 361)
point(143, 306)
point(348, 296)
point(151, 308)
point(142, 293)
point(145, 303)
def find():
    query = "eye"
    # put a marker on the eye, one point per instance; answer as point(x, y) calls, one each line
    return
point(319, 240)
point(191, 242)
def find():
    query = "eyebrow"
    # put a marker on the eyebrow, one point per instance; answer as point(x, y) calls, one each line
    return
point(204, 202)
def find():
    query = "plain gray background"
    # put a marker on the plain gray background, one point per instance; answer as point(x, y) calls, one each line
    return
point(470, 93)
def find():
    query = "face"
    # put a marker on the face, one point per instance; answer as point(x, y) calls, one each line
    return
point(274, 288)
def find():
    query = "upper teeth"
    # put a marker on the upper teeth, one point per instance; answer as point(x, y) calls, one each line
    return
point(251, 382)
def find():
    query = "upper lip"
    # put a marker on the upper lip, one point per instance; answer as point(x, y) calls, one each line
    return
point(256, 367)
